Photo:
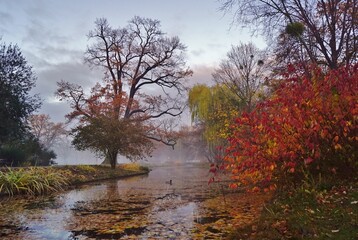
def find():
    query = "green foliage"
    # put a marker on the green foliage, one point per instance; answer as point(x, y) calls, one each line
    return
point(200, 99)
point(17, 146)
point(12, 154)
point(16, 102)
point(301, 213)
point(105, 135)
point(78, 174)
point(134, 167)
point(43, 180)
point(213, 107)
point(86, 168)
point(32, 181)
point(295, 29)
point(26, 152)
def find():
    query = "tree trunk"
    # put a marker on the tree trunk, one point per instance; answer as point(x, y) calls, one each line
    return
point(111, 158)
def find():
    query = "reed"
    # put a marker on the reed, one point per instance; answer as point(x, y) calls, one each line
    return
point(32, 181)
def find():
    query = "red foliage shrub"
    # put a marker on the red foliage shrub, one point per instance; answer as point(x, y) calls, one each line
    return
point(308, 125)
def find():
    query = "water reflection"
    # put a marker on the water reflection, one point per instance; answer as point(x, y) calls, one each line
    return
point(141, 207)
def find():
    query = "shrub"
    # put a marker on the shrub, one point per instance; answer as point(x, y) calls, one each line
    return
point(307, 127)
point(26, 152)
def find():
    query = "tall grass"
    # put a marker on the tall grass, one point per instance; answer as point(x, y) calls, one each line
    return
point(32, 181)
point(133, 167)
point(86, 168)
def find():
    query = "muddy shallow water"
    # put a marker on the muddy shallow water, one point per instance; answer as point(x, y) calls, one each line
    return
point(141, 207)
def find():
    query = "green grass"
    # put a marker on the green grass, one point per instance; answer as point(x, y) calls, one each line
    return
point(87, 168)
point(32, 181)
point(42, 180)
point(308, 214)
point(133, 167)
point(79, 174)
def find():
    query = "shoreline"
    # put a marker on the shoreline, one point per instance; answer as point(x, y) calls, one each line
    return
point(69, 177)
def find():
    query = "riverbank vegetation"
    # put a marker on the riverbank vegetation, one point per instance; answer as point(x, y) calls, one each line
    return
point(281, 120)
point(321, 211)
point(43, 180)
point(31, 181)
point(295, 133)
point(299, 142)
point(123, 115)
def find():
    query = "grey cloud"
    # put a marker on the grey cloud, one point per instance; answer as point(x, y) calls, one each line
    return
point(46, 38)
point(39, 35)
point(39, 30)
point(215, 45)
point(197, 52)
point(38, 8)
point(202, 75)
point(46, 85)
point(56, 110)
point(35, 61)
point(60, 54)
point(5, 18)
point(74, 72)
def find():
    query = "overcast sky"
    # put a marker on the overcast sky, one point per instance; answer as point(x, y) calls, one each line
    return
point(52, 36)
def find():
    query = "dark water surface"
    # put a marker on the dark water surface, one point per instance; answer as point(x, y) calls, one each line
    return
point(142, 207)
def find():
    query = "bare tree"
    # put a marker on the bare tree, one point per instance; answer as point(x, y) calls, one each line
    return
point(143, 85)
point(243, 72)
point(46, 131)
point(325, 30)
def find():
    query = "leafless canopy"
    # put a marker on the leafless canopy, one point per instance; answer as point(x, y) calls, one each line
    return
point(144, 76)
point(330, 27)
point(139, 59)
point(243, 72)
point(46, 131)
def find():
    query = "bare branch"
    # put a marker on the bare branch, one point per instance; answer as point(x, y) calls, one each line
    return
point(330, 27)
point(142, 68)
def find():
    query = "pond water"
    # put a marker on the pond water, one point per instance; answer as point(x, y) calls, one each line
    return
point(141, 207)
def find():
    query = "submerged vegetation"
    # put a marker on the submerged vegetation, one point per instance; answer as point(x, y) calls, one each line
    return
point(42, 180)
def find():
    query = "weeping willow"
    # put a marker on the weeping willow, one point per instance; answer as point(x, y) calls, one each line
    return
point(214, 108)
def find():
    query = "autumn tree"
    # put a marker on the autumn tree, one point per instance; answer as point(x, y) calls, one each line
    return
point(243, 73)
point(16, 101)
point(143, 86)
point(312, 31)
point(46, 131)
point(307, 128)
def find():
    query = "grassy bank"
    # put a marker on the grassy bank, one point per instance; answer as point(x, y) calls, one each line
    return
point(307, 214)
point(42, 180)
